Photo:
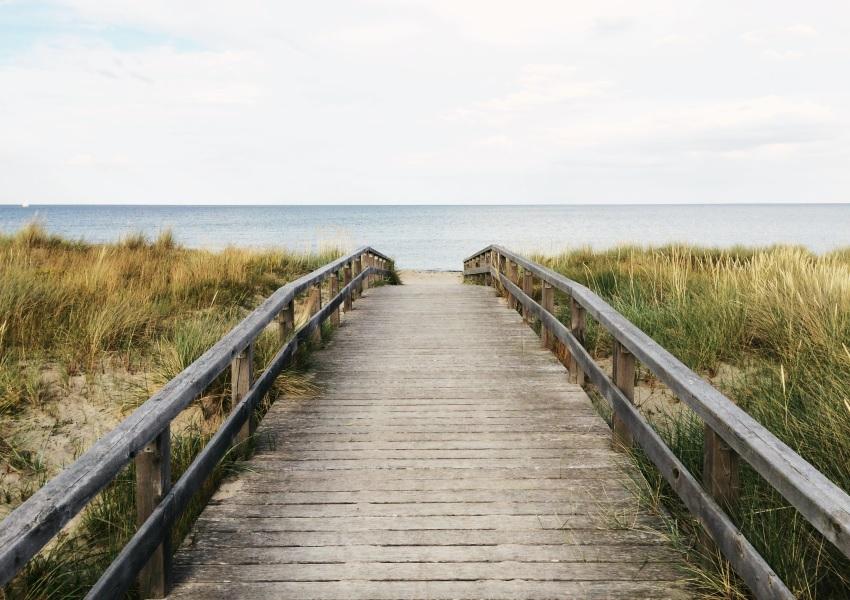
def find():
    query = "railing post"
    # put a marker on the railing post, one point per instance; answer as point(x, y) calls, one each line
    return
point(501, 267)
point(528, 290)
point(366, 280)
point(356, 270)
point(334, 290)
point(153, 481)
point(513, 276)
point(577, 325)
point(314, 303)
point(346, 279)
point(488, 262)
point(241, 380)
point(720, 471)
point(624, 378)
point(547, 301)
point(286, 322)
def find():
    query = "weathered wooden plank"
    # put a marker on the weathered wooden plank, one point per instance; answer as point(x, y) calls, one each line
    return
point(464, 508)
point(428, 571)
point(489, 553)
point(435, 590)
point(463, 522)
point(207, 536)
point(267, 495)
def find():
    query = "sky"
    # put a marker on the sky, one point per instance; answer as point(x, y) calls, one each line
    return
point(424, 101)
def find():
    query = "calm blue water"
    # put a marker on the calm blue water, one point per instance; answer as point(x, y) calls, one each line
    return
point(439, 237)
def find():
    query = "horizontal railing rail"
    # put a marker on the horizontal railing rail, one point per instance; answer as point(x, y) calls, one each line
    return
point(730, 431)
point(144, 435)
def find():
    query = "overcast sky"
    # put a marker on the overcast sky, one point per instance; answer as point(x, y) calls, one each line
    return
point(424, 101)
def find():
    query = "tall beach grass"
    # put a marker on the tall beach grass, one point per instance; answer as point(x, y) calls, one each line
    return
point(771, 328)
point(139, 306)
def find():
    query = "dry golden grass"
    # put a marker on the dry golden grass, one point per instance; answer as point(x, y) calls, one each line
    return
point(78, 304)
point(780, 317)
point(140, 309)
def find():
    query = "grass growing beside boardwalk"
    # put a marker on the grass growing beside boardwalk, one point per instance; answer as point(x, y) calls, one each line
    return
point(771, 328)
point(76, 318)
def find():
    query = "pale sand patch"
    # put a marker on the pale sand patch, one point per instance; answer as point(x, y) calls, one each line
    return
point(430, 277)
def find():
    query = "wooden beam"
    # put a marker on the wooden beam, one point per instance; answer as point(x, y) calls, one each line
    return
point(241, 380)
point(346, 279)
point(314, 303)
point(286, 322)
point(547, 301)
point(334, 290)
point(624, 378)
point(528, 288)
point(513, 275)
point(577, 326)
point(153, 480)
point(721, 470)
point(356, 270)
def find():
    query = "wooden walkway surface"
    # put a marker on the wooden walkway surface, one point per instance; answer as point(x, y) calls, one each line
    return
point(446, 456)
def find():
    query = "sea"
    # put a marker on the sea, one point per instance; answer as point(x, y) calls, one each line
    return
point(437, 237)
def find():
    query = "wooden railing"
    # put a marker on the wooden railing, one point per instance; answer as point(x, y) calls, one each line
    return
point(144, 436)
point(730, 432)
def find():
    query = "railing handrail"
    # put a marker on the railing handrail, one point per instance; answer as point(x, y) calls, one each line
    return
point(823, 503)
point(36, 521)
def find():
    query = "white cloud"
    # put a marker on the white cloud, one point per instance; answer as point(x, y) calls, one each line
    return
point(783, 43)
point(424, 100)
point(801, 30)
point(711, 128)
point(380, 33)
point(538, 86)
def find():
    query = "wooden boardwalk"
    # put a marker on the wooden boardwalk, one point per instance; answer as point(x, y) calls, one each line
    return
point(446, 456)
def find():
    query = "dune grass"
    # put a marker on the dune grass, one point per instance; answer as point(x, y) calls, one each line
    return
point(78, 304)
point(780, 318)
point(140, 306)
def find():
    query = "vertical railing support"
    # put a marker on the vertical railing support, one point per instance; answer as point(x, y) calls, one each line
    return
point(528, 290)
point(286, 322)
point(624, 378)
point(346, 279)
point(720, 471)
point(334, 290)
point(502, 268)
point(513, 275)
point(577, 325)
point(547, 301)
point(153, 481)
point(357, 269)
point(241, 380)
point(488, 262)
point(366, 264)
point(314, 303)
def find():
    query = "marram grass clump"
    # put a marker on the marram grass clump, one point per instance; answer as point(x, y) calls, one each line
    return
point(778, 320)
point(79, 304)
point(140, 309)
